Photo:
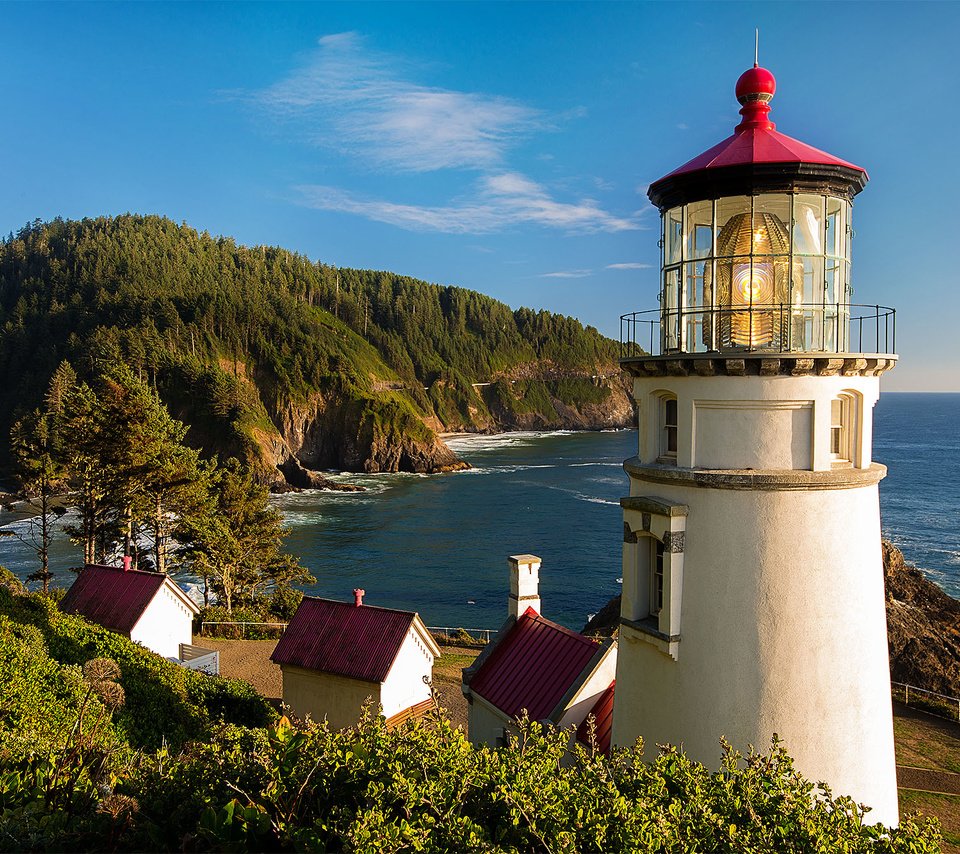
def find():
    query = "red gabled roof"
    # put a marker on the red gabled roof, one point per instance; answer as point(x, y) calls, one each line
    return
point(602, 712)
point(533, 666)
point(113, 597)
point(359, 642)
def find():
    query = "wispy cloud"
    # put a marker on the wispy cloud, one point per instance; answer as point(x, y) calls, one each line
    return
point(499, 201)
point(629, 265)
point(366, 104)
point(566, 274)
point(358, 101)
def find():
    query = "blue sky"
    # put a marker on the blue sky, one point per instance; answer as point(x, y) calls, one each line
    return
point(504, 147)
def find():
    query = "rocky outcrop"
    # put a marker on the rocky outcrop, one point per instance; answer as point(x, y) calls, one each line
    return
point(356, 434)
point(923, 627)
point(381, 433)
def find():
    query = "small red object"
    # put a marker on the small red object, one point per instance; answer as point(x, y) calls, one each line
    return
point(358, 593)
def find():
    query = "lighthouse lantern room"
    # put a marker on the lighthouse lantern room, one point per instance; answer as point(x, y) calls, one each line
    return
point(753, 599)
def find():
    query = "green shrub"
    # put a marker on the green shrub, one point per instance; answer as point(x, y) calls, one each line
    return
point(41, 701)
point(423, 787)
point(284, 602)
point(164, 702)
point(242, 614)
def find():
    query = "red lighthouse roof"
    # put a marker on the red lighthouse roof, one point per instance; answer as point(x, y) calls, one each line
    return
point(756, 154)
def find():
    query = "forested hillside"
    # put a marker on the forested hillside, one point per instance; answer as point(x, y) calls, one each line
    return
point(285, 363)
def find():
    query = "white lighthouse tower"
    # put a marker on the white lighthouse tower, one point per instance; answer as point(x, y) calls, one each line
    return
point(753, 598)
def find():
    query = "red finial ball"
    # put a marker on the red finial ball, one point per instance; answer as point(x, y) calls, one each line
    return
point(756, 84)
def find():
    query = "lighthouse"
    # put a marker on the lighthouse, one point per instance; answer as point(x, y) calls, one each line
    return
point(753, 599)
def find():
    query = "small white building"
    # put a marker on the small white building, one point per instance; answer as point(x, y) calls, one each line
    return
point(538, 667)
point(335, 656)
point(148, 607)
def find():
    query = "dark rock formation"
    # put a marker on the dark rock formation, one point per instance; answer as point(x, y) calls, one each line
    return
point(923, 627)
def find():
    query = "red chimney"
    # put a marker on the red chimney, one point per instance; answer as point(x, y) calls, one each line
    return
point(127, 560)
point(358, 596)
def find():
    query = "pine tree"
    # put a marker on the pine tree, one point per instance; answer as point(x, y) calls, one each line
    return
point(239, 548)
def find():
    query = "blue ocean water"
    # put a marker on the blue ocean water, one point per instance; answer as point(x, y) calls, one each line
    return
point(917, 436)
point(438, 544)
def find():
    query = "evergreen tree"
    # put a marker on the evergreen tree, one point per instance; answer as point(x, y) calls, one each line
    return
point(39, 473)
point(238, 550)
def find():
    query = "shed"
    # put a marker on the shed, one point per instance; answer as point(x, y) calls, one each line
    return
point(538, 667)
point(334, 656)
point(148, 607)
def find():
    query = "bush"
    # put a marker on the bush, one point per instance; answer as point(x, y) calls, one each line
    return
point(284, 602)
point(423, 787)
point(164, 702)
point(243, 614)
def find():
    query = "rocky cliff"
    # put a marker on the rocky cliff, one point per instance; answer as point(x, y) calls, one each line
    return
point(923, 627)
point(292, 365)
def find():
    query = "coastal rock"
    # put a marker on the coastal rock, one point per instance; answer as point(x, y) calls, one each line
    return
point(923, 627)
point(329, 432)
point(541, 396)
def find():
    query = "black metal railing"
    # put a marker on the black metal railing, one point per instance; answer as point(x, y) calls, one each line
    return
point(771, 328)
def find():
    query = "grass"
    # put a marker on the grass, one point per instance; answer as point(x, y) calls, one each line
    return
point(926, 742)
point(944, 807)
point(923, 741)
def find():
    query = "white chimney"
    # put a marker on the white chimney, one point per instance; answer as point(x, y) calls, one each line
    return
point(524, 584)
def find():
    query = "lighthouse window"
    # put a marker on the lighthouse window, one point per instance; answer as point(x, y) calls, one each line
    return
point(668, 420)
point(842, 414)
point(656, 593)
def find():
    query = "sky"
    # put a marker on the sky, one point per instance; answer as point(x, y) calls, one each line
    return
point(504, 147)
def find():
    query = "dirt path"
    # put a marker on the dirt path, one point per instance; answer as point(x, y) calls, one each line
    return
point(925, 780)
point(250, 660)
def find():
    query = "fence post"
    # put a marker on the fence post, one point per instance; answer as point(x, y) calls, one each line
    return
point(906, 695)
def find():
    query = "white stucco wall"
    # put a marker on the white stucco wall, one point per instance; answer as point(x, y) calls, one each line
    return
point(783, 621)
point(772, 423)
point(485, 724)
point(165, 624)
point(404, 685)
point(585, 698)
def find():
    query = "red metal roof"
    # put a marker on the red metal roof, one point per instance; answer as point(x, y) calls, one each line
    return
point(359, 642)
point(533, 666)
point(756, 139)
point(113, 597)
point(602, 712)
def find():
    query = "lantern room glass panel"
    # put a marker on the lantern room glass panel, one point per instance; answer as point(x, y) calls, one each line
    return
point(673, 236)
point(699, 231)
point(768, 272)
point(808, 225)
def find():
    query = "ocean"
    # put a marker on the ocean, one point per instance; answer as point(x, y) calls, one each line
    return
point(438, 544)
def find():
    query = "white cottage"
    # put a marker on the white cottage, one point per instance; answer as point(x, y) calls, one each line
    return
point(334, 656)
point(148, 607)
point(538, 667)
